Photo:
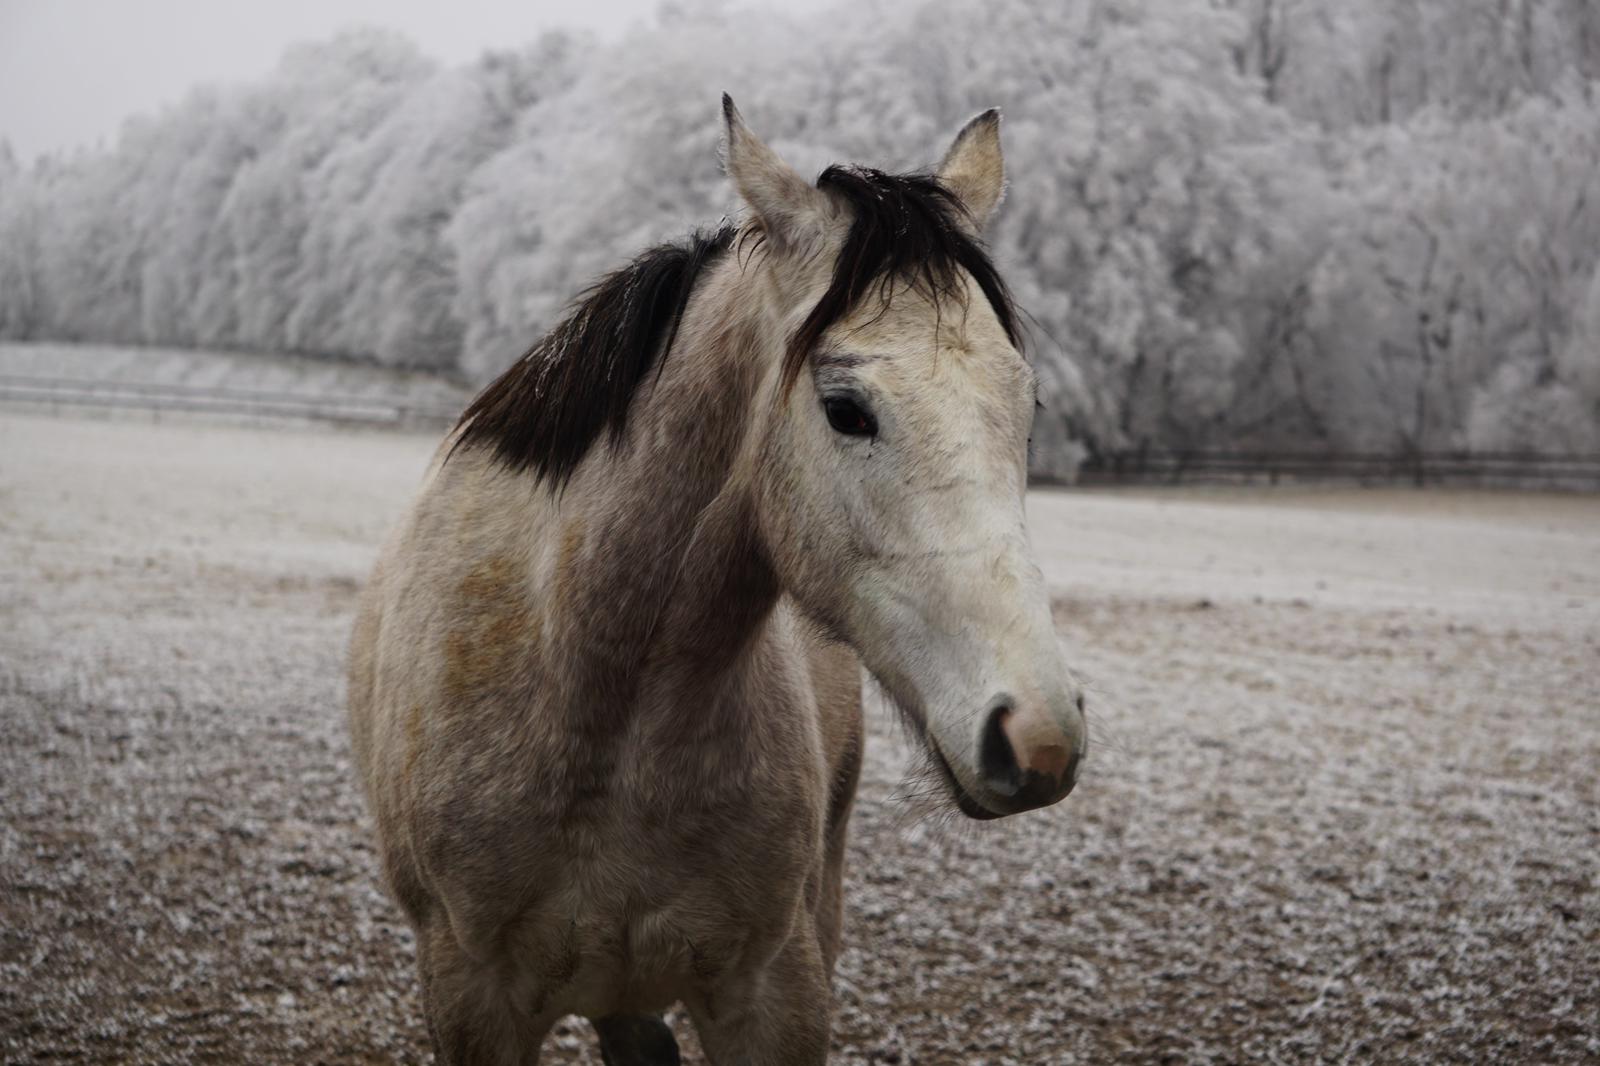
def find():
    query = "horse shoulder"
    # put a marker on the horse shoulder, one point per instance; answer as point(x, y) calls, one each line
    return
point(445, 633)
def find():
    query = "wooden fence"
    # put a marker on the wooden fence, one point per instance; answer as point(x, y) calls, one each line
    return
point(1486, 469)
point(58, 394)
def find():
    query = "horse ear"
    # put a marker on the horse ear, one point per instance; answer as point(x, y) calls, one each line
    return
point(974, 168)
point(792, 211)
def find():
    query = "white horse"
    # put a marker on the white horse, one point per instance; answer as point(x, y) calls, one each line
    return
point(605, 681)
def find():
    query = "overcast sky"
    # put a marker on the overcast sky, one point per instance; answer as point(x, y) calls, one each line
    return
point(72, 70)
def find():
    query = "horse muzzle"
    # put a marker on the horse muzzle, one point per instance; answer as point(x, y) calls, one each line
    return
point(1027, 759)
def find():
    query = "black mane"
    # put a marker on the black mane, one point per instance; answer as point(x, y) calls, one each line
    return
point(550, 407)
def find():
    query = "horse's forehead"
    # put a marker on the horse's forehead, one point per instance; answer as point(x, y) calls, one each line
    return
point(946, 394)
point(907, 317)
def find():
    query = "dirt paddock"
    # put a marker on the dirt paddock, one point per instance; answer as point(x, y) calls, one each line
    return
point(1344, 803)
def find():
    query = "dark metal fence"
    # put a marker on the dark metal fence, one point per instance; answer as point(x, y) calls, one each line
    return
point(1577, 472)
point(57, 394)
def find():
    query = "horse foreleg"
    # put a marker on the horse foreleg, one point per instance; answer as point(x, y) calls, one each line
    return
point(472, 1021)
point(779, 1017)
point(636, 1040)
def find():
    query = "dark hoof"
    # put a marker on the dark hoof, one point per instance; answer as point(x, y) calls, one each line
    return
point(636, 1040)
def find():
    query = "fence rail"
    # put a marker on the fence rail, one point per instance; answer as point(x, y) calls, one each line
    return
point(59, 393)
point(1427, 468)
point(1581, 472)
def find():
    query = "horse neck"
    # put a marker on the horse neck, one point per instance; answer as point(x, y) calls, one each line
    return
point(662, 582)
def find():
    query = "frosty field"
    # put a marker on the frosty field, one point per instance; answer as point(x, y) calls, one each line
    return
point(1344, 803)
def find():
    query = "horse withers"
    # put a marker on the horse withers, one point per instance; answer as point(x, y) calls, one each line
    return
point(605, 682)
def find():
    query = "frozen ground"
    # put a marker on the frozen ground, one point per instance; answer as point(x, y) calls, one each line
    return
point(1345, 804)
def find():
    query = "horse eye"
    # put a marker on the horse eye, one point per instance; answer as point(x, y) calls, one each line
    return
point(848, 417)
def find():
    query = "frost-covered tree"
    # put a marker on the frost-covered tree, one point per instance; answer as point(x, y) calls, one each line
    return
point(321, 100)
point(1264, 223)
point(19, 248)
point(1455, 274)
point(375, 274)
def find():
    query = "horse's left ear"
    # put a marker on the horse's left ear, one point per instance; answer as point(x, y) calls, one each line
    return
point(974, 168)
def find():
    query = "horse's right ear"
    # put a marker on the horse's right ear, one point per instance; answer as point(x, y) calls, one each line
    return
point(792, 212)
point(974, 168)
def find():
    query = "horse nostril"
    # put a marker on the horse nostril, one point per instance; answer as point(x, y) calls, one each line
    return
point(997, 760)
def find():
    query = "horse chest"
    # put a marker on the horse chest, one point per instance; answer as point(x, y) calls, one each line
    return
point(632, 918)
point(617, 869)
point(661, 821)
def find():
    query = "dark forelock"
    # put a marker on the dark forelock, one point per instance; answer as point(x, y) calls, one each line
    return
point(905, 228)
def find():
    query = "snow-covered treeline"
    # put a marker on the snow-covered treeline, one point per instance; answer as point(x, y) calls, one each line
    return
point(1273, 223)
